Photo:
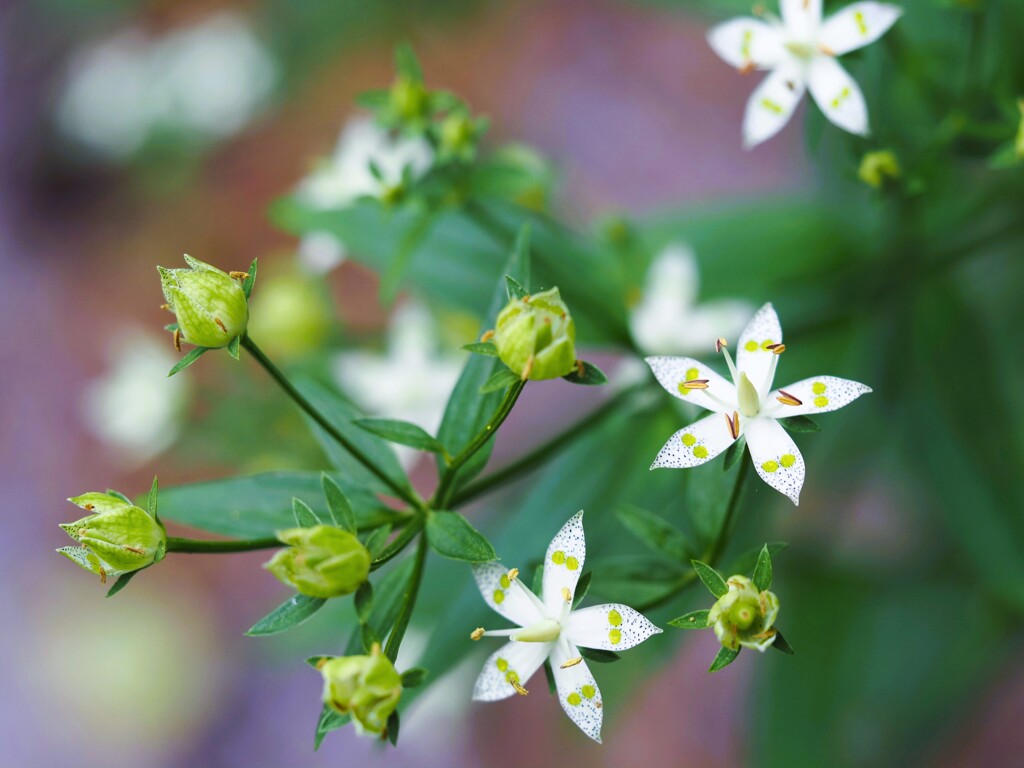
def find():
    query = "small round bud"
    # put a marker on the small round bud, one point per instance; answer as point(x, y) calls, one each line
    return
point(744, 617)
point(458, 136)
point(877, 167)
point(321, 561)
point(210, 304)
point(409, 99)
point(116, 537)
point(366, 687)
point(536, 337)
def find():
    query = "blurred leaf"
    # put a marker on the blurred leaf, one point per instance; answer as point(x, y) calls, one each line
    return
point(734, 452)
point(153, 501)
point(724, 658)
point(338, 506)
point(582, 587)
point(592, 376)
point(392, 728)
point(451, 535)
point(121, 583)
point(364, 601)
point(692, 620)
point(292, 612)
point(500, 380)
point(407, 64)
point(188, 359)
point(656, 532)
point(599, 655)
point(304, 516)
point(403, 433)
point(635, 580)
point(482, 348)
point(781, 644)
point(233, 347)
point(799, 424)
point(249, 281)
point(747, 561)
point(763, 570)
point(377, 540)
point(329, 721)
point(387, 602)
point(413, 677)
point(712, 579)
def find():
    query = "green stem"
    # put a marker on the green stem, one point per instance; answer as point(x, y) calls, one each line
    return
point(408, 603)
point(209, 547)
point(444, 489)
point(530, 461)
point(276, 374)
point(400, 542)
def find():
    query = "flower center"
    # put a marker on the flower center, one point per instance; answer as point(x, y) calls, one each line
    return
point(750, 402)
point(801, 50)
point(742, 614)
point(543, 631)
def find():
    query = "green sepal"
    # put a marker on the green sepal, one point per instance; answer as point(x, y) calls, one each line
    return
point(451, 535)
point(712, 579)
point(781, 644)
point(763, 570)
point(582, 587)
point(369, 637)
point(316, 661)
point(187, 360)
point(414, 677)
point(514, 288)
point(338, 505)
point(747, 561)
point(377, 540)
point(481, 348)
point(692, 620)
point(330, 720)
point(403, 433)
point(800, 424)
point(250, 281)
point(599, 655)
point(305, 517)
point(592, 376)
point(654, 531)
point(503, 378)
point(118, 495)
point(392, 728)
point(407, 64)
point(292, 612)
point(725, 657)
point(734, 453)
point(233, 347)
point(121, 583)
point(151, 502)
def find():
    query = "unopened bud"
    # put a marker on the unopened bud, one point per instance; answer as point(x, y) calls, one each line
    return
point(116, 537)
point(366, 687)
point(536, 336)
point(742, 617)
point(210, 305)
point(321, 561)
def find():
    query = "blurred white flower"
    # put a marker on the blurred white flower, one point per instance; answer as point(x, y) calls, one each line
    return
point(207, 80)
point(134, 408)
point(668, 320)
point(410, 382)
point(344, 177)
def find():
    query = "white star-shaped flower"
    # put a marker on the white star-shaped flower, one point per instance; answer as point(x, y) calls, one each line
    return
point(800, 49)
point(668, 320)
point(549, 628)
point(748, 405)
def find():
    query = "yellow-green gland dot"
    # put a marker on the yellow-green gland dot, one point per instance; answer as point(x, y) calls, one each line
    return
point(691, 374)
point(701, 452)
point(588, 691)
point(615, 636)
point(818, 388)
point(766, 343)
point(788, 460)
point(499, 596)
point(821, 401)
point(572, 563)
point(770, 466)
point(614, 618)
point(502, 665)
point(750, 346)
point(504, 581)
point(688, 440)
point(512, 677)
point(558, 558)
point(574, 699)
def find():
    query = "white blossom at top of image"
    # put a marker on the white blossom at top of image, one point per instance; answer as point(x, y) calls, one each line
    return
point(411, 381)
point(134, 408)
point(206, 80)
point(668, 320)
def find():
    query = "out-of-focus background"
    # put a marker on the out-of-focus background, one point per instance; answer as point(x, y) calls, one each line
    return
point(132, 132)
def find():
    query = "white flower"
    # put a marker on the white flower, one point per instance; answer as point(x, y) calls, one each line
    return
point(748, 406)
point(800, 50)
point(548, 628)
point(668, 320)
point(411, 381)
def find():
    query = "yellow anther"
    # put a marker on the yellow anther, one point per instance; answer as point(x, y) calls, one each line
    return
point(519, 688)
point(580, 368)
point(513, 574)
point(239, 275)
point(165, 306)
point(566, 594)
point(734, 423)
point(826, 50)
point(571, 662)
point(177, 339)
point(696, 384)
point(103, 576)
point(220, 322)
point(320, 662)
point(720, 344)
point(488, 335)
point(787, 399)
point(777, 349)
point(747, 68)
point(477, 633)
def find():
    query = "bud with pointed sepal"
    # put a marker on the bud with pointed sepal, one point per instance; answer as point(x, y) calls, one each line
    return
point(535, 336)
point(210, 305)
point(321, 561)
point(367, 688)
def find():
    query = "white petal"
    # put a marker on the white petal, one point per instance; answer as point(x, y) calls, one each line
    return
point(776, 457)
point(611, 627)
point(771, 104)
point(745, 41)
point(563, 563)
point(521, 659)
point(857, 25)
point(671, 372)
point(752, 356)
point(514, 604)
point(577, 691)
point(838, 95)
point(820, 394)
point(696, 444)
point(802, 18)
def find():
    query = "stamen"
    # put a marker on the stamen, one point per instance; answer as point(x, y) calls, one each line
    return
point(787, 399)
point(477, 633)
point(734, 424)
point(748, 67)
point(766, 385)
point(566, 595)
point(777, 349)
point(239, 275)
point(695, 384)
point(519, 689)
point(488, 335)
point(571, 663)
point(580, 368)
point(177, 339)
point(725, 406)
point(720, 344)
point(220, 322)
point(826, 50)
point(529, 366)
point(513, 574)
point(165, 306)
point(723, 348)
point(103, 575)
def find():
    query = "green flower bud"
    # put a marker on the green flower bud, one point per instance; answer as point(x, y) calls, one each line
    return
point(536, 337)
point(321, 561)
point(116, 537)
point(743, 617)
point(210, 305)
point(366, 687)
point(876, 167)
point(458, 137)
point(409, 99)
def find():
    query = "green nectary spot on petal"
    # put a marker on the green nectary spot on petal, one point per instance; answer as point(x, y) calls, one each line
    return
point(572, 563)
point(502, 665)
point(615, 636)
point(770, 466)
point(558, 558)
point(750, 346)
point(692, 373)
point(683, 390)
point(614, 617)
point(766, 343)
point(499, 596)
point(588, 691)
point(504, 581)
point(788, 460)
point(512, 676)
point(818, 388)
point(688, 440)
point(574, 699)
point(821, 401)
point(701, 452)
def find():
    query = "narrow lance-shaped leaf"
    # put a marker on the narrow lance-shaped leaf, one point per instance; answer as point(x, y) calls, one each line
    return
point(692, 620)
point(485, 348)
point(250, 281)
point(304, 516)
point(800, 424)
point(339, 509)
point(599, 655)
point(582, 587)
point(364, 601)
point(654, 531)
point(121, 583)
point(451, 535)
point(500, 380)
point(414, 677)
point(187, 360)
point(292, 612)
point(392, 728)
point(403, 433)
point(151, 503)
point(725, 657)
point(233, 347)
point(712, 579)
point(781, 644)
point(587, 374)
point(734, 453)
point(377, 540)
point(763, 570)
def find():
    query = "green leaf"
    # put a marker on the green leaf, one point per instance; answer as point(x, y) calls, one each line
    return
point(656, 532)
point(378, 540)
point(172, 327)
point(292, 612)
point(724, 658)
point(121, 583)
point(549, 673)
point(763, 570)
point(591, 376)
point(153, 500)
point(734, 452)
point(800, 424)
point(410, 244)
point(369, 637)
point(374, 99)
point(514, 289)
point(451, 535)
point(501, 379)
point(413, 678)
point(338, 506)
point(538, 579)
point(747, 561)
point(582, 587)
point(250, 281)
point(393, 722)
point(691, 620)
point(481, 348)
point(316, 661)
point(599, 655)
point(260, 505)
point(364, 601)
point(329, 721)
point(636, 579)
point(712, 579)
point(304, 516)
point(187, 360)
point(233, 346)
point(407, 64)
point(403, 433)
point(781, 644)
point(387, 602)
